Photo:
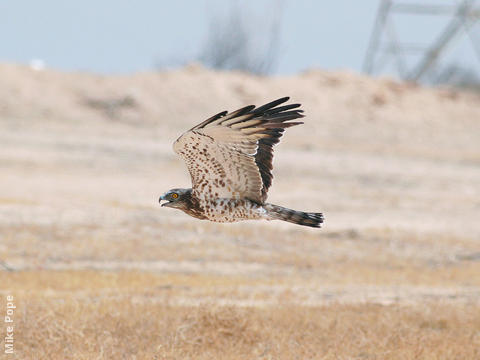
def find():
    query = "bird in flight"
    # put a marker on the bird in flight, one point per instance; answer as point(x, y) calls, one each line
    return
point(229, 157)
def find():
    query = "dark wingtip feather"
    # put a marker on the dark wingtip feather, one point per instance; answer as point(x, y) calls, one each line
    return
point(271, 105)
point(209, 120)
point(284, 116)
point(242, 111)
point(281, 125)
point(283, 108)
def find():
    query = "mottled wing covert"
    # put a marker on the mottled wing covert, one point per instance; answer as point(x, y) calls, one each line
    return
point(230, 154)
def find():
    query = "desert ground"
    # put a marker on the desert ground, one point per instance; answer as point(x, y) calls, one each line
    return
point(98, 270)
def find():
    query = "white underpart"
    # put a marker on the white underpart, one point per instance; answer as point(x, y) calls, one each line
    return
point(232, 210)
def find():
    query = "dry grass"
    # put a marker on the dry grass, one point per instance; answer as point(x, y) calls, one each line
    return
point(138, 315)
point(93, 327)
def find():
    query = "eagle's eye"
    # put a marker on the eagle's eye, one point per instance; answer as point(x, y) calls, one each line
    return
point(174, 195)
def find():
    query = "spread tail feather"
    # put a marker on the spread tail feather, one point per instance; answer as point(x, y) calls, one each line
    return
point(276, 212)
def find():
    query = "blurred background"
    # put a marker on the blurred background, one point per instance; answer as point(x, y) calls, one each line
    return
point(430, 41)
point(92, 96)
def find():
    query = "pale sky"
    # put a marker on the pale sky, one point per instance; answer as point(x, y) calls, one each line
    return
point(120, 36)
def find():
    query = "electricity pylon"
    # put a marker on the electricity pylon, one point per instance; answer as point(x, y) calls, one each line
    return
point(385, 45)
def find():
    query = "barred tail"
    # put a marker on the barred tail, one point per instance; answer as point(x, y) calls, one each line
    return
point(276, 212)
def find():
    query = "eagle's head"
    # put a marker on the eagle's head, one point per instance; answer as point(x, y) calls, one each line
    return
point(176, 198)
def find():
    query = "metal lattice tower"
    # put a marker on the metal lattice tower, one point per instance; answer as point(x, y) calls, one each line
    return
point(386, 47)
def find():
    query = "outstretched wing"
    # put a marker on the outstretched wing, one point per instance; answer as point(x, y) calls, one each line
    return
point(230, 154)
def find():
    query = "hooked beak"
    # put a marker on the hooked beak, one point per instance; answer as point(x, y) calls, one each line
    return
point(167, 204)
